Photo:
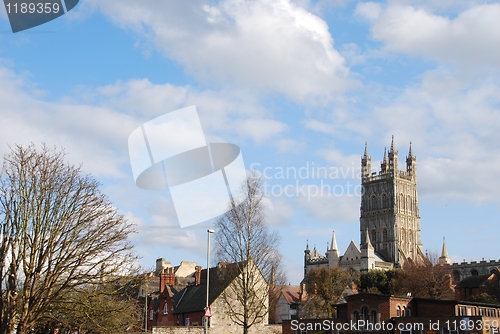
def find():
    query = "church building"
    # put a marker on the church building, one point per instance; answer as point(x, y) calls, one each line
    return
point(389, 219)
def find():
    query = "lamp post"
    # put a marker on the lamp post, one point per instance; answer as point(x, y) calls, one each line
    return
point(146, 308)
point(208, 276)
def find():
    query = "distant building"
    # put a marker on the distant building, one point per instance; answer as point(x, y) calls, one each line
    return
point(473, 286)
point(384, 314)
point(389, 219)
point(178, 302)
point(162, 288)
point(288, 304)
point(389, 224)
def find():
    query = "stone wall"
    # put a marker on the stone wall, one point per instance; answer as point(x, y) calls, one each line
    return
point(269, 329)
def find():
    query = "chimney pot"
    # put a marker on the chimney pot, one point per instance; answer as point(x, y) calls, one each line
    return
point(197, 275)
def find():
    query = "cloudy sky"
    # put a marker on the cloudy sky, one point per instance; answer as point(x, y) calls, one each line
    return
point(297, 85)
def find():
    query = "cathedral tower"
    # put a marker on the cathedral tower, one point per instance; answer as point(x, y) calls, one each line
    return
point(389, 218)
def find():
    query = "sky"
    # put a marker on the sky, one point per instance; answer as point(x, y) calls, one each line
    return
point(299, 86)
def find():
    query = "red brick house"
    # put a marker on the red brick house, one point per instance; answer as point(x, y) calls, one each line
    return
point(476, 285)
point(161, 307)
point(374, 313)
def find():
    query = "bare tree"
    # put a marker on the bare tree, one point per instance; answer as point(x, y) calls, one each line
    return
point(243, 238)
point(424, 280)
point(59, 233)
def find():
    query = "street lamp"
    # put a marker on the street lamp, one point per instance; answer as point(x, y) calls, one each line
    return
point(146, 309)
point(208, 276)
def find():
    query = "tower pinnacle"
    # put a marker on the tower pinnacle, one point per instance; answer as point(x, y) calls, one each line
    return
point(410, 153)
point(393, 157)
point(333, 245)
point(444, 258)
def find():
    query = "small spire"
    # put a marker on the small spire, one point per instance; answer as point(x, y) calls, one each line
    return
point(444, 252)
point(444, 258)
point(333, 245)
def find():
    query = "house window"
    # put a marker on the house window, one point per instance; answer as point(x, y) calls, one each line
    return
point(373, 317)
point(151, 314)
point(165, 309)
point(364, 313)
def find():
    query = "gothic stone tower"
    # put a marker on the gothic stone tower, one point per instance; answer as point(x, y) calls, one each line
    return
point(389, 208)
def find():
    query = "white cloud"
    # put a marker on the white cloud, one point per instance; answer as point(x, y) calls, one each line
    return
point(329, 208)
point(88, 133)
point(261, 130)
point(471, 38)
point(368, 10)
point(273, 46)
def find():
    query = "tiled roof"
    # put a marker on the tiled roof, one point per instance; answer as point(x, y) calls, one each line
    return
point(473, 281)
point(291, 294)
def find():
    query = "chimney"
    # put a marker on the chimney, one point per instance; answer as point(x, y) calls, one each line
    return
point(170, 276)
point(167, 277)
point(303, 293)
point(197, 275)
point(163, 280)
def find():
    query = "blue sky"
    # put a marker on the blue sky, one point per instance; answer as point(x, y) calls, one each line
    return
point(295, 84)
